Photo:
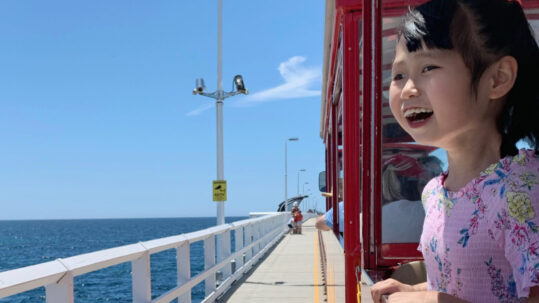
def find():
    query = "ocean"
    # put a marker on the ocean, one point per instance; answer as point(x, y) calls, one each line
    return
point(24, 243)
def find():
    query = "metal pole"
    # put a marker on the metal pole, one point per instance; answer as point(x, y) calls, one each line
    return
point(219, 105)
point(220, 46)
point(298, 182)
point(220, 169)
point(285, 177)
point(219, 249)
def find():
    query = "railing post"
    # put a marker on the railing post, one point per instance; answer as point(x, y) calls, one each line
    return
point(209, 261)
point(141, 279)
point(274, 226)
point(265, 231)
point(269, 229)
point(257, 237)
point(62, 291)
point(219, 251)
point(226, 251)
point(239, 246)
point(248, 241)
point(254, 237)
point(252, 233)
point(183, 264)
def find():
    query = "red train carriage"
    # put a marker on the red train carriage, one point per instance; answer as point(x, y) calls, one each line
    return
point(364, 144)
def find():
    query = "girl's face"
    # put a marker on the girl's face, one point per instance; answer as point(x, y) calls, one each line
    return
point(431, 97)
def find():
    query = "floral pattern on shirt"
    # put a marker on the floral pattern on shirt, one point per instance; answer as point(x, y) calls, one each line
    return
point(504, 292)
point(445, 269)
point(481, 243)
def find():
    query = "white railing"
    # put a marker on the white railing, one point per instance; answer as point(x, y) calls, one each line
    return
point(57, 276)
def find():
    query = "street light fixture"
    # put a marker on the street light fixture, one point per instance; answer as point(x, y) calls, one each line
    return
point(286, 172)
point(219, 95)
point(240, 86)
point(301, 170)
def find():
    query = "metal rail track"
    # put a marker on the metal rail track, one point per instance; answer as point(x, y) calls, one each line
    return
point(323, 265)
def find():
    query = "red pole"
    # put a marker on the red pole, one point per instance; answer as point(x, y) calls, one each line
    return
point(365, 165)
point(329, 172)
point(351, 152)
point(326, 200)
point(377, 134)
point(335, 169)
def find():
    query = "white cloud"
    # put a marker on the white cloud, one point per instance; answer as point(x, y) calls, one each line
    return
point(297, 79)
point(297, 82)
point(200, 109)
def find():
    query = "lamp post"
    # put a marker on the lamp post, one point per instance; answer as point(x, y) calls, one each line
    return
point(301, 170)
point(303, 194)
point(219, 95)
point(304, 187)
point(286, 173)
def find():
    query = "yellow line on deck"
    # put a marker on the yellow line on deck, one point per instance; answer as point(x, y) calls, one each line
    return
point(331, 283)
point(316, 293)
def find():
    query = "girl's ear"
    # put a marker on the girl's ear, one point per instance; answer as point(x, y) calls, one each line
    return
point(503, 76)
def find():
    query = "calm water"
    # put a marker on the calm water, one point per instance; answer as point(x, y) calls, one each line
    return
point(24, 243)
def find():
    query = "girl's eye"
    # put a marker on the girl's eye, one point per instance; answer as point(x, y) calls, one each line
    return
point(429, 68)
point(397, 77)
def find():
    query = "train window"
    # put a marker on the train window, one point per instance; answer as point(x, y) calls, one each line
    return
point(406, 166)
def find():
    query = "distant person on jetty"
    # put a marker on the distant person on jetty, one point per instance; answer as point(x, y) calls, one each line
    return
point(298, 220)
point(294, 209)
point(291, 225)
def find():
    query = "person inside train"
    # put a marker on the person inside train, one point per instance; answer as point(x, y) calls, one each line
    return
point(402, 211)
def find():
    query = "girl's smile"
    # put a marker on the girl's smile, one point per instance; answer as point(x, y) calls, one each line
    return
point(417, 116)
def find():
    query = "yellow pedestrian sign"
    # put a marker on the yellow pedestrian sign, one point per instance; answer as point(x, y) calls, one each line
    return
point(219, 190)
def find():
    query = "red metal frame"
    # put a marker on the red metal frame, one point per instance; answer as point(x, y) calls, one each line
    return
point(365, 125)
point(335, 169)
point(351, 152)
point(326, 207)
point(376, 197)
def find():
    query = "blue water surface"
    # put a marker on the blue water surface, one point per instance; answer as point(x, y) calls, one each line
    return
point(24, 243)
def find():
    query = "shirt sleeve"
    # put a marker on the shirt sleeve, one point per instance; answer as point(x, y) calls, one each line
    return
point(521, 229)
point(329, 218)
point(341, 216)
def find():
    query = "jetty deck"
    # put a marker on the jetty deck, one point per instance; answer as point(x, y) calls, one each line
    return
point(294, 271)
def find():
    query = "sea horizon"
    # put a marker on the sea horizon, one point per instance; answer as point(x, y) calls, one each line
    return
point(126, 218)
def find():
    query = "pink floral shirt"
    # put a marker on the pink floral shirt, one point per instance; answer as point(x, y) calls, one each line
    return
point(481, 244)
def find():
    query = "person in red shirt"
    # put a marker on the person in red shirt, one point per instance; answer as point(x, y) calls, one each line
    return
point(298, 219)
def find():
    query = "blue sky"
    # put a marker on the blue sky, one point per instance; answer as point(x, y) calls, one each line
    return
point(98, 119)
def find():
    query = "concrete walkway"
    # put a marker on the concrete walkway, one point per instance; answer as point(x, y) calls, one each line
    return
point(290, 273)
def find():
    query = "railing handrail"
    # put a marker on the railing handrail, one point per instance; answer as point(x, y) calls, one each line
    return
point(26, 278)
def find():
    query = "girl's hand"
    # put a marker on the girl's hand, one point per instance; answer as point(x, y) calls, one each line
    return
point(423, 296)
point(411, 297)
point(387, 287)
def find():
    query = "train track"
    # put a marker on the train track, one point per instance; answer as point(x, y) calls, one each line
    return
point(323, 266)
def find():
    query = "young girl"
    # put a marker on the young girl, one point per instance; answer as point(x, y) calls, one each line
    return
point(464, 79)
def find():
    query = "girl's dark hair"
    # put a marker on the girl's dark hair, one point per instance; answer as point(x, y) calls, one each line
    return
point(483, 31)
